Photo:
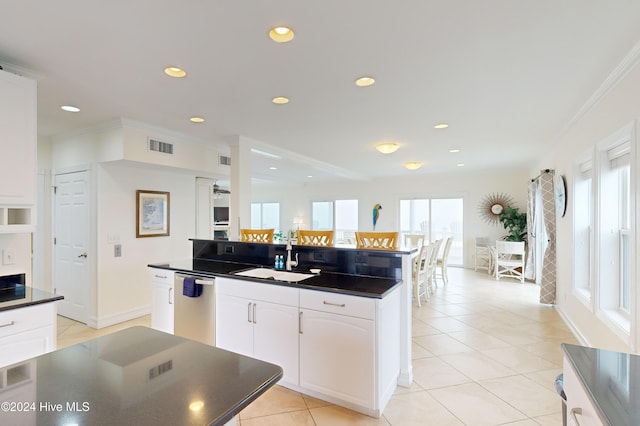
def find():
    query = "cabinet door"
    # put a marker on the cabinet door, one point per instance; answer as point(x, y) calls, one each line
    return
point(162, 307)
point(337, 356)
point(578, 402)
point(275, 337)
point(17, 140)
point(234, 324)
point(29, 344)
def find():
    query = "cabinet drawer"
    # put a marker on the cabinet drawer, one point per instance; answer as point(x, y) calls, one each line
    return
point(162, 276)
point(343, 304)
point(273, 293)
point(22, 319)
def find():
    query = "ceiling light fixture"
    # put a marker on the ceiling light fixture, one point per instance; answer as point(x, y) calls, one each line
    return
point(365, 81)
point(387, 148)
point(309, 176)
point(281, 34)
point(175, 72)
point(441, 126)
point(412, 165)
point(460, 164)
point(70, 108)
point(453, 151)
point(197, 120)
point(280, 100)
point(273, 168)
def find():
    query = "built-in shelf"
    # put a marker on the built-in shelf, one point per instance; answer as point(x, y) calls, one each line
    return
point(16, 219)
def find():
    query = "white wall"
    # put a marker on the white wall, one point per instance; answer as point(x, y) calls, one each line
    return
point(123, 283)
point(20, 245)
point(617, 108)
point(472, 187)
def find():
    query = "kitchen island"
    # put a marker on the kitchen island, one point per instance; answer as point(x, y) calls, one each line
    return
point(602, 387)
point(137, 376)
point(341, 335)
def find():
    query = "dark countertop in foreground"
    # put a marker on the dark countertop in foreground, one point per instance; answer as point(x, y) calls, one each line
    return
point(19, 296)
point(611, 381)
point(356, 285)
point(140, 376)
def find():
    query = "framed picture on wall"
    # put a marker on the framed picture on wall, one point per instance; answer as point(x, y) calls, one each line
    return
point(152, 213)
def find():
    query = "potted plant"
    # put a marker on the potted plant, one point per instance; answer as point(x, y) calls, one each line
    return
point(515, 223)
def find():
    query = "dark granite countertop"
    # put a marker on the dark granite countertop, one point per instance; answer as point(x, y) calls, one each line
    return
point(356, 285)
point(611, 381)
point(13, 296)
point(137, 376)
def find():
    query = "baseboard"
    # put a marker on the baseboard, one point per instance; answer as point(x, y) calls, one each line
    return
point(117, 318)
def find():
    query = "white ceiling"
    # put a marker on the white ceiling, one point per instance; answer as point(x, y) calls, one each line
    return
point(508, 76)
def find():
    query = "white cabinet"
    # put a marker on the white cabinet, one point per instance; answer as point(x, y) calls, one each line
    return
point(579, 406)
point(162, 296)
point(27, 332)
point(260, 321)
point(337, 355)
point(18, 146)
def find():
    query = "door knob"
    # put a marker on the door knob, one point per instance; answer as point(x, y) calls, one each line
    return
point(83, 255)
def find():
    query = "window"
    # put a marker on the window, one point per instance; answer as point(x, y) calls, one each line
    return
point(583, 229)
point(614, 237)
point(265, 216)
point(340, 215)
point(437, 218)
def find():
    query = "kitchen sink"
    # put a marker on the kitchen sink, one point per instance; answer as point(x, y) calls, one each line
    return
point(266, 273)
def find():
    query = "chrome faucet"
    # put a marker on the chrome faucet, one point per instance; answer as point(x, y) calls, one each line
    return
point(290, 263)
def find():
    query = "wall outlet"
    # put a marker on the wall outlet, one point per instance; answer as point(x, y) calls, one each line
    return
point(117, 250)
point(8, 257)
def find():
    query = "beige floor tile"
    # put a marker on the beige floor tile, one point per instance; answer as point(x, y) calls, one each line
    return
point(419, 409)
point(421, 328)
point(276, 400)
point(292, 418)
point(519, 360)
point(545, 378)
point(432, 373)
point(477, 366)
point(448, 324)
point(339, 416)
point(314, 402)
point(527, 422)
point(478, 340)
point(525, 395)
point(441, 344)
point(415, 387)
point(418, 351)
point(474, 405)
point(550, 420)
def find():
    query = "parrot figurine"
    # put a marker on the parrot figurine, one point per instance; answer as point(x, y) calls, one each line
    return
point(376, 214)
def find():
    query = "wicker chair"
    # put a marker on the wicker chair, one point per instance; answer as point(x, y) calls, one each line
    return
point(256, 235)
point(377, 240)
point(315, 238)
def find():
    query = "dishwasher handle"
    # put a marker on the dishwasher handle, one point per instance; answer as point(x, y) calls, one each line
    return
point(205, 282)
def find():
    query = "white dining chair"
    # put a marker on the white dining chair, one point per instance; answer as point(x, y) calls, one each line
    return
point(509, 260)
point(442, 261)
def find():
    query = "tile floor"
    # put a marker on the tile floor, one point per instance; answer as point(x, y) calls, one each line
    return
point(485, 353)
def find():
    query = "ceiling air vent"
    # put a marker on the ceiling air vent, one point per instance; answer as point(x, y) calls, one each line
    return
point(160, 146)
point(224, 160)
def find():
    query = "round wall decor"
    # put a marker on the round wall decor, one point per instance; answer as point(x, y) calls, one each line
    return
point(492, 205)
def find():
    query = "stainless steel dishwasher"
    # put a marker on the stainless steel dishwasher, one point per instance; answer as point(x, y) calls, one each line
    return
point(195, 317)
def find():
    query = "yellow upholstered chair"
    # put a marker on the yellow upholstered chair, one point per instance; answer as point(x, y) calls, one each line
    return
point(377, 240)
point(315, 238)
point(256, 235)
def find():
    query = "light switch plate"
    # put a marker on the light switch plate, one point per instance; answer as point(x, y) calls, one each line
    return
point(8, 257)
point(117, 250)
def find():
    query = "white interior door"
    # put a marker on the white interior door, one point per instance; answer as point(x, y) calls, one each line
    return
point(71, 244)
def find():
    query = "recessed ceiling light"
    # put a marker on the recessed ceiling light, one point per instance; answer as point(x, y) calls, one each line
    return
point(441, 126)
point(387, 148)
point(70, 108)
point(196, 406)
point(280, 100)
point(175, 72)
point(412, 165)
point(453, 151)
point(309, 176)
point(273, 168)
point(365, 81)
point(281, 34)
point(197, 120)
point(460, 164)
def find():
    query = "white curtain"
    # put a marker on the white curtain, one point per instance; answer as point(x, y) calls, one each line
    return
point(548, 279)
point(530, 267)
